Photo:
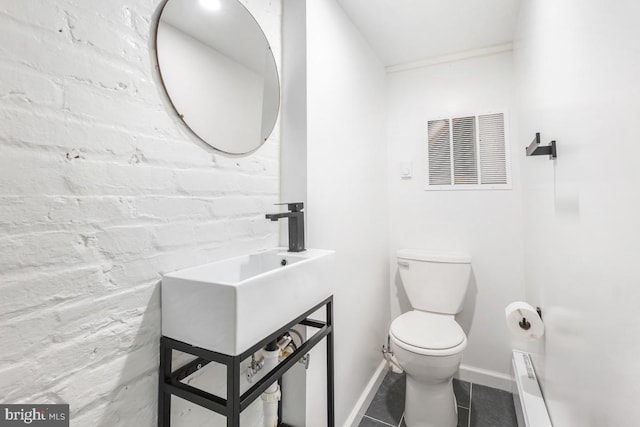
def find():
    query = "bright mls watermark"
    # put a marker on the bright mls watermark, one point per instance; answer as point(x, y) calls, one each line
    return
point(34, 415)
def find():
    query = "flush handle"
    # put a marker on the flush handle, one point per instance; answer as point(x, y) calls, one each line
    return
point(404, 264)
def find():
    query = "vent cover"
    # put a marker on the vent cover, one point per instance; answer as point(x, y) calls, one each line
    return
point(467, 153)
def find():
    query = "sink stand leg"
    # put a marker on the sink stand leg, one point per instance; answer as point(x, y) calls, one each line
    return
point(233, 393)
point(164, 398)
point(330, 368)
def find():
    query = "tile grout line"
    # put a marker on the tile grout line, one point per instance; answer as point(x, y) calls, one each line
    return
point(470, 397)
point(380, 421)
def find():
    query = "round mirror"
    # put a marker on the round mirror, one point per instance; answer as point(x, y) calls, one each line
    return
point(219, 72)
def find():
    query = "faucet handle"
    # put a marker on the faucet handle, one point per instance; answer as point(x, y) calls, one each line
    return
point(293, 207)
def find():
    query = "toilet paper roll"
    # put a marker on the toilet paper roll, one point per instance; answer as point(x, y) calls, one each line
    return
point(523, 321)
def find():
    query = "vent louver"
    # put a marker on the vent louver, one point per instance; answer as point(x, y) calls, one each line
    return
point(465, 165)
point(493, 158)
point(439, 153)
point(467, 152)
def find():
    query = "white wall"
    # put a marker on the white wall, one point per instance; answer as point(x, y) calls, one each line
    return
point(484, 224)
point(578, 65)
point(347, 193)
point(101, 193)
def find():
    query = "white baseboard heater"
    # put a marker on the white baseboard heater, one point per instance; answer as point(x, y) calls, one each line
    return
point(527, 396)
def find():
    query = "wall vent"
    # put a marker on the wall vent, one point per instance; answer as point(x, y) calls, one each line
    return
point(468, 153)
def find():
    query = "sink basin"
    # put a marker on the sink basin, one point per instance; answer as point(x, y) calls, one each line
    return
point(230, 305)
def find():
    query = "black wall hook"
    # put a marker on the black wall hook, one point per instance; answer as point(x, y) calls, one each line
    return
point(534, 148)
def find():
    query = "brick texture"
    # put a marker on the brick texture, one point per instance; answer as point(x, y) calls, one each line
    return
point(101, 192)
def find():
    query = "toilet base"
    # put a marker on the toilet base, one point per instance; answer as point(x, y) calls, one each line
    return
point(429, 400)
point(430, 405)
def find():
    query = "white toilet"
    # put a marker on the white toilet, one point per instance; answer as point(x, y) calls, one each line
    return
point(427, 342)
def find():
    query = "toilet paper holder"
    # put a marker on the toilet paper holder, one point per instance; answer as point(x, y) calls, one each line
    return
point(525, 324)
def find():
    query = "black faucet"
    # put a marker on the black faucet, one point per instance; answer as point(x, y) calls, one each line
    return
point(296, 225)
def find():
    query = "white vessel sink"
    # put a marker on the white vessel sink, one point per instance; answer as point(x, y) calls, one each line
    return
point(230, 305)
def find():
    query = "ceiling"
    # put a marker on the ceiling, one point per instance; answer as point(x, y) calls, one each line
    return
point(402, 31)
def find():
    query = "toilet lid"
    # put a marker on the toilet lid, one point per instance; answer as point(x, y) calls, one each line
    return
point(427, 331)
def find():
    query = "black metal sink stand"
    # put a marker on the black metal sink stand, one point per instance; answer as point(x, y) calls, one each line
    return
point(171, 381)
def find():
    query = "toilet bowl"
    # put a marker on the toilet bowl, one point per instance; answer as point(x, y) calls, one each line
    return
point(427, 341)
point(429, 348)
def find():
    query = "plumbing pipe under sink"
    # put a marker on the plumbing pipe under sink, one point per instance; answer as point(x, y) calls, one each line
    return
point(272, 395)
point(393, 363)
point(273, 354)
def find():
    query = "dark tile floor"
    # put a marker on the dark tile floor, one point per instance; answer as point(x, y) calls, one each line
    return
point(478, 406)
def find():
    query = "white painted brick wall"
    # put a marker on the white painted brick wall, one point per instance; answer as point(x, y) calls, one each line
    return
point(101, 193)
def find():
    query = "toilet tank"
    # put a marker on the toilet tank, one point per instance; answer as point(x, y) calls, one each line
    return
point(435, 282)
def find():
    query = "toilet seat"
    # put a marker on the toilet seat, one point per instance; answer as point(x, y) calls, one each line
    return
point(427, 333)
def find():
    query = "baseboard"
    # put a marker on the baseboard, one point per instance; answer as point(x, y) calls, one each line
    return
point(485, 377)
point(367, 396)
